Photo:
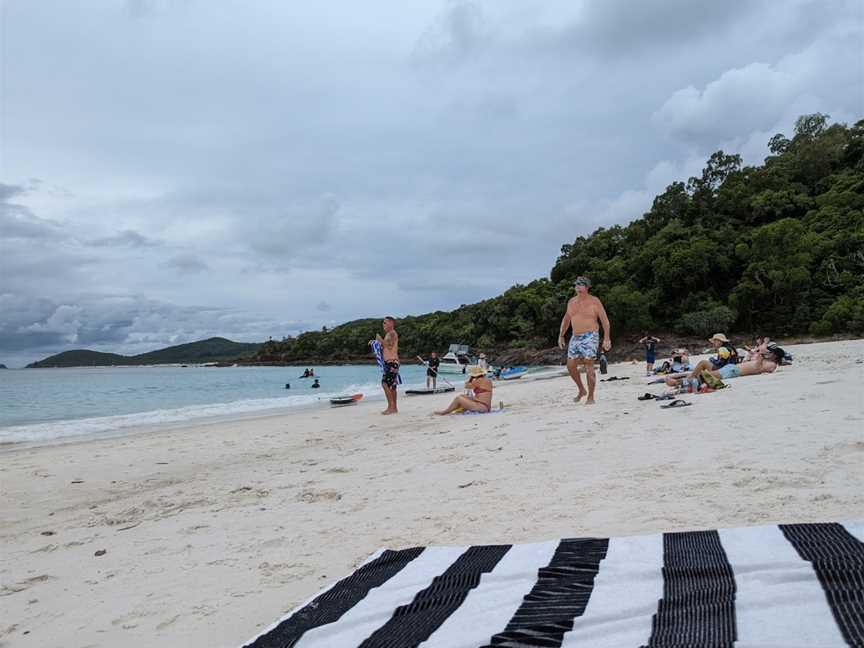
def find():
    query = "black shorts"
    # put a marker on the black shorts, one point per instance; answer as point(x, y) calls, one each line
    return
point(391, 374)
point(432, 373)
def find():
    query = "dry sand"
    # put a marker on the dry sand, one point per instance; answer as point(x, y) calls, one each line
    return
point(212, 532)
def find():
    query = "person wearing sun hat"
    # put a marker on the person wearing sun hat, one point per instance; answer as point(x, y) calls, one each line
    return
point(726, 352)
point(481, 398)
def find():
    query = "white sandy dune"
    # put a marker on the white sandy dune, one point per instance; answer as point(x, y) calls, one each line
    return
point(212, 532)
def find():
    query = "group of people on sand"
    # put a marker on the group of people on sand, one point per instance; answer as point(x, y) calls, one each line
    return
point(726, 363)
point(479, 398)
point(584, 314)
point(584, 317)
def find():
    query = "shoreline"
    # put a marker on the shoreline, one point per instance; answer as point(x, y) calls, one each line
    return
point(189, 421)
point(211, 532)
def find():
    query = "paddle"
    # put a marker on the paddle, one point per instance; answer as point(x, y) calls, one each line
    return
point(437, 373)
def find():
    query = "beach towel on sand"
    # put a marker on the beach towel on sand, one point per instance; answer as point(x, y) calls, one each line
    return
point(797, 585)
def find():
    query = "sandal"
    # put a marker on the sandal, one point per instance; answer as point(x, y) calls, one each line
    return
point(646, 396)
point(676, 403)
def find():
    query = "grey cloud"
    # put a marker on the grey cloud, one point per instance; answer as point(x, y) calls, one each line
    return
point(457, 33)
point(620, 26)
point(8, 191)
point(126, 238)
point(18, 222)
point(187, 263)
point(293, 230)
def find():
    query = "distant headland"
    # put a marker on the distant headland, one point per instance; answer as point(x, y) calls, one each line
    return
point(215, 349)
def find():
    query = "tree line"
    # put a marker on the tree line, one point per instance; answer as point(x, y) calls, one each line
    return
point(776, 248)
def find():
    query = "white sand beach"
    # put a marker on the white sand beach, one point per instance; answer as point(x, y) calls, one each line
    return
point(212, 532)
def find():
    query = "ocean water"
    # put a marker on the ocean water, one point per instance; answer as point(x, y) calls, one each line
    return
point(39, 406)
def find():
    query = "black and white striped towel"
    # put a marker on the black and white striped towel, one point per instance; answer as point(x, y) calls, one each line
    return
point(782, 586)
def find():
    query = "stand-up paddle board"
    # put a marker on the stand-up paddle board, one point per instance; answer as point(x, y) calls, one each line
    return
point(341, 401)
point(424, 392)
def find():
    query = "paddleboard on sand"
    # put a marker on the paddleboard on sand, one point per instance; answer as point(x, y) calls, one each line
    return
point(423, 392)
point(341, 401)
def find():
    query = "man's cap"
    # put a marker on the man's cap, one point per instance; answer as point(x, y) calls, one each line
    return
point(771, 346)
point(582, 281)
point(718, 336)
point(482, 355)
point(477, 371)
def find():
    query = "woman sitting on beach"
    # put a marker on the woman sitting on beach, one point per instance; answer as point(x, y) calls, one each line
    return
point(481, 401)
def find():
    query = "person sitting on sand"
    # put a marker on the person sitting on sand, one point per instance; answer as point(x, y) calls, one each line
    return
point(480, 401)
point(680, 361)
point(726, 354)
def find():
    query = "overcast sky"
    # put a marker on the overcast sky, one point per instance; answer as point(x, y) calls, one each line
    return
point(176, 169)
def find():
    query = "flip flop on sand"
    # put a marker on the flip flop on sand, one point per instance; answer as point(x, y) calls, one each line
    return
point(646, 396)
point(664, 397)
point(676, 403)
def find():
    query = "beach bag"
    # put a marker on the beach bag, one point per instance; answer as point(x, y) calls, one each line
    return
point(712, 381)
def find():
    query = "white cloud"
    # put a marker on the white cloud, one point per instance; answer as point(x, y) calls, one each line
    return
point(827, 75)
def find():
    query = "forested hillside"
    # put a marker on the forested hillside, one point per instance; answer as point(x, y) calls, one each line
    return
point(210, 350)
point(776, 248)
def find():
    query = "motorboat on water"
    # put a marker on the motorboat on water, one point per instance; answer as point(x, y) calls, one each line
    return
point(457, 360)
point(513, 373)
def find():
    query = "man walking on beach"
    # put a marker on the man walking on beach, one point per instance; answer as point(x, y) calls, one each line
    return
point(585, 313)
point(390, 379)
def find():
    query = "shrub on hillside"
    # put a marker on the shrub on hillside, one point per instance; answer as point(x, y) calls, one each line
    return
point(708, 321)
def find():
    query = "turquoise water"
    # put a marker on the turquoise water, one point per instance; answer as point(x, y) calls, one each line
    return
point(49, 405)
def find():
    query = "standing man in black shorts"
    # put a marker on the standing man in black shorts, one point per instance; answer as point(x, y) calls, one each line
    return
point(650, 343)
point(390, 379)
point(432, 370)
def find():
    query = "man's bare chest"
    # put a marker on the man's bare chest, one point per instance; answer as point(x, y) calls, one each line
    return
point(582, 310)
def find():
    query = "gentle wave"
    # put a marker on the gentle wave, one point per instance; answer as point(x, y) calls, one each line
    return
point(58, 431)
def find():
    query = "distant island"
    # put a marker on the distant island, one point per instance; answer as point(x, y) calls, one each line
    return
point(2, 366)
point(216, 349)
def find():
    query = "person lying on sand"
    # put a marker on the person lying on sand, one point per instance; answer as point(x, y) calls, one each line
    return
point(762, 363)
point(480, 401)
